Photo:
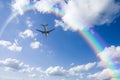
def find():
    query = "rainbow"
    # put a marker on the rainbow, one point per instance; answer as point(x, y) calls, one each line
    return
point(93, 40)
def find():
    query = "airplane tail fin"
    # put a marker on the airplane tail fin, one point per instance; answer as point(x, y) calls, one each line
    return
point(44, 25)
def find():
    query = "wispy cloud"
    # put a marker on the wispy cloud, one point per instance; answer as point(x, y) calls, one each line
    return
point(32, 75)
point(29, 22)
point(61, 24)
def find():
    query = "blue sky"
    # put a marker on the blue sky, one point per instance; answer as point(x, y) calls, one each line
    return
point(65, 54)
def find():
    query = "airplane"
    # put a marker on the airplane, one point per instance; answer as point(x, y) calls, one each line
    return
point(46, 32)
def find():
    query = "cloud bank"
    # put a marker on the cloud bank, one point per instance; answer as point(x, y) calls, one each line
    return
point(80, 72)
point(10, 64)
point(87, 12)
point(91, 12)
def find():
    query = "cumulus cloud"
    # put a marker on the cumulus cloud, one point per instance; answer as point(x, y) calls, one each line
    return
point(56, 71)
point(76, 71)
point(26, 34)
point(19, 4)
point(15, 65)
point(45, 6)
point(87, 12)
point(110, 56)
point(5, 43)
point(103, 75)
point(15, 47)
point(35, 45)
point(90, 12)
point(10, 46)
point(112, 53)
point(82, 67)
point(10, 64)
point(80, 72)
point(83, 11)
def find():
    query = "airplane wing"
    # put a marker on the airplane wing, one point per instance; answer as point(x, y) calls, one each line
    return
point(50, 30)
point(39, 30)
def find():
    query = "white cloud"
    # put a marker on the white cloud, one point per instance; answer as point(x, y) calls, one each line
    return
point(79, 72)
point(105, 74)
point(11, 46)
point(45, 6)
point(82, 67)
point(87, 12)
point(79, 12)
point(5, 43)
point(61, 24)
point(101, 64)
point(35, 45)
point(15, 65)
point(112, 53)
point(110, 56)
point(29, 22)
point(90, 12)
point(19, 4)
point(76, 71)
point(15, 47)
point(26, 34)
point(55, 71)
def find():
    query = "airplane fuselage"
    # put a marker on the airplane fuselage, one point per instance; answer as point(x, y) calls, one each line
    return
point(45, 30)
